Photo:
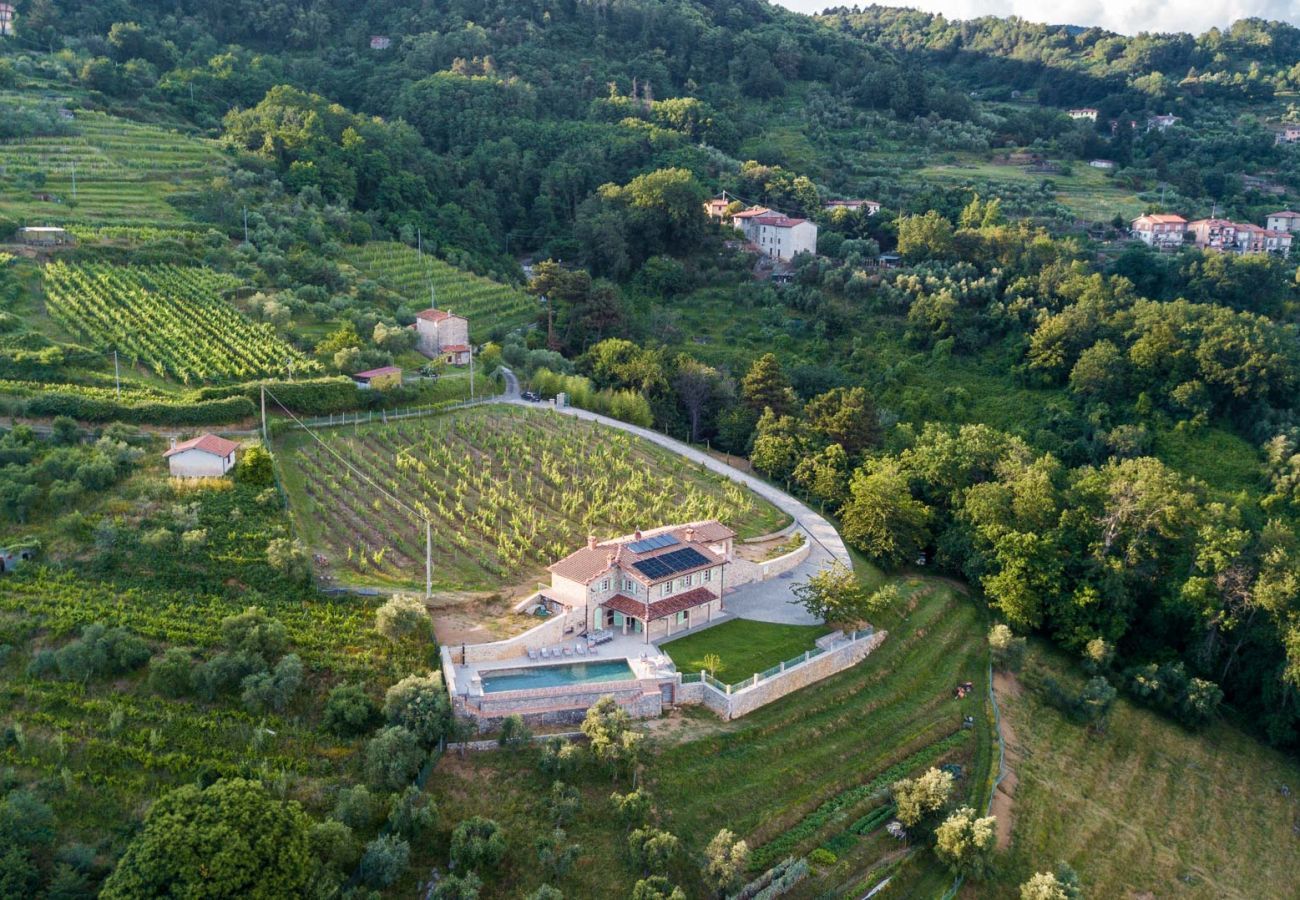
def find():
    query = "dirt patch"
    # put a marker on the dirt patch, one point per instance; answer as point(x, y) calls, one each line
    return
point(461, 618)
point(1006, 686)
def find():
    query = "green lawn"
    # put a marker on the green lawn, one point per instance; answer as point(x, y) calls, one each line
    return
point(745, 647)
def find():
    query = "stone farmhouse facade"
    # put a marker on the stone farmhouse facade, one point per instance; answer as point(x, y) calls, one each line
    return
point(656, 583)
point(1286, 220)
point(206, 456)
point(441, 334)
point(775, 234)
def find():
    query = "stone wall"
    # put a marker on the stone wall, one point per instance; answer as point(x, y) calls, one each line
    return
point(548, 633)
point(560, 706)
point(784, 563)
point(742, 701)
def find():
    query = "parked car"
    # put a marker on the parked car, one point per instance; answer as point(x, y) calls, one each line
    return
point(532, 396)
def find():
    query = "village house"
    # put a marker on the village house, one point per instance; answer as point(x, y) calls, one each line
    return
point(1159, 230)
point(1239, 237)
point(871, 207)
point(1283, 221)
point(380, 42)
point(1105, 164)
point(744, 221)
point(1289, 135)
point(380, 379)
point(781, 237)
point(1086, 112)
point(716, 208)
point(206, 456)
point(1162, 123)
point(442, 335)
point(654, 583)
point(1213, 234)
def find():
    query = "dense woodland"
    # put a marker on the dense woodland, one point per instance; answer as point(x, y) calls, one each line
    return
point(1136, 500)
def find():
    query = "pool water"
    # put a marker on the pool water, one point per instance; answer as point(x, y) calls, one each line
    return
point(556, 676)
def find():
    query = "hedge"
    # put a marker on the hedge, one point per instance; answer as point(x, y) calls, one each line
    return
point(184, 412)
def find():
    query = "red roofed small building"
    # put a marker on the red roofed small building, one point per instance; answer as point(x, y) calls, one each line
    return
point(655, 583)
point(206, 456)
point(1164, 232)
point(1283, 221)
point(379, 379)
point(782, 237)
point(442, 335)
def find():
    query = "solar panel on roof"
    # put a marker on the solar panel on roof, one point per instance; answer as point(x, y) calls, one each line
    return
point(652, 543)
point(671, 563)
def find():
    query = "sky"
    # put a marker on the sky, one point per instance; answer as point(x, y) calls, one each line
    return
point(1123, 16)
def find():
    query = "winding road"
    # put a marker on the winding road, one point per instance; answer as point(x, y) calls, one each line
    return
point(765, 601)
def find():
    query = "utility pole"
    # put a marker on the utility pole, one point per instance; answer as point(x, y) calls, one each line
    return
point(471, 372)
point(117, 375)
point(428, 560)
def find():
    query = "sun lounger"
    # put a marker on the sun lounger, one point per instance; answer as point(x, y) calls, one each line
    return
point(568, 651)
point(532, 653)
point(546, 654)
point(582, 649)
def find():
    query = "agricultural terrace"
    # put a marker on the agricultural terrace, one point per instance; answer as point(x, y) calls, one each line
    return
point(486, 303)
point(1153, 809)
point(124, 171)
point(509, 491)
point(170, 319)
point(811, 770)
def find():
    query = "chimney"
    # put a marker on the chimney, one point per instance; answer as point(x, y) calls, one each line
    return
point(609, 559)
point(690, 535)
point(636, 535)
point(591, 542)
point(173, 442)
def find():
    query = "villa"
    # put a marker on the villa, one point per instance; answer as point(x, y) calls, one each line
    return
point(653, 583)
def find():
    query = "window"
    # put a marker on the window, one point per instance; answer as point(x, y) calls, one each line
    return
point(708, 575)
point(604, 585)
point(683, 617)
point(666, 589)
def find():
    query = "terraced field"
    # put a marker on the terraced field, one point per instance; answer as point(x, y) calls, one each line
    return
point(123, 170)
point(486, 303)
point(508, 490)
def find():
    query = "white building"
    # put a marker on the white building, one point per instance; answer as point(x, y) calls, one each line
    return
point(1086, 112)
point(744, 220)
point(870, 207)
point(654, 583)
point(441, 334)
point(1283, 221)
point(1162, 123)
point(1103, 164)
point(1159, 230)
point(206, 456)
point(781, 237)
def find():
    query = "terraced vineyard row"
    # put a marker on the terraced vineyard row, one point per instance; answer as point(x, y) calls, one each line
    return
point(486, 303)
point(168, 318)
point(508, 491)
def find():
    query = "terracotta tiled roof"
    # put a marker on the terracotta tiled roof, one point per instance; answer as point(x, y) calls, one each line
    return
point(208, 443)
point(754, 213)
point(455, 348)
point(436, 315)
point(1284, 214)
point(660, 608)
point(1162, 219)
point(586, 564)
point(780, 221)
point(382, 370)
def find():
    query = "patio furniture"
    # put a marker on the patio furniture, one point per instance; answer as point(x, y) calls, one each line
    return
point(532, 653)
point(546, 654)
point(582, 649)
point(568, 651)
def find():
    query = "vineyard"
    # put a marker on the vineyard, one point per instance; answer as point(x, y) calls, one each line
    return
point(508, 491)
point(124, 171)
point(486, 303)
point(170, 319)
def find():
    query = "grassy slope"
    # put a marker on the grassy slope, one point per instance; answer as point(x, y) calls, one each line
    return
point(1149, 807)
point(764, 774)
point(744, 647)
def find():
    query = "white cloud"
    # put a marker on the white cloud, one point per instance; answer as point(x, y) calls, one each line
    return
point(1124, 16)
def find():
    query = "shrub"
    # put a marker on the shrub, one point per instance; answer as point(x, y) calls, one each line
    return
point(652, 849)
point(273, 690)
point(477, 844)
point(419, 704)
point(514, 733)
point(171, 674)
point(1007, 649)
point(725, 861)
point(404, 617)
point(357, 808)
point(413, 815)
point(384, 861)
point(823, 857)
point(289, 558)
point(393, 758)
point(225, 672)
point(101, 652)
point(253, 631)
point(255, 467)
point(349, 711)
point(656, 887)
point(333, 845)
point(966, 842)
point(458, 887)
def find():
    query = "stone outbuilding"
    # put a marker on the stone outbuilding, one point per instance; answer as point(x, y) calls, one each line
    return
point(206, 456)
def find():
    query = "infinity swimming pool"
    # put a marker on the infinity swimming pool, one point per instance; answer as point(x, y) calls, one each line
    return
point(555, 676)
